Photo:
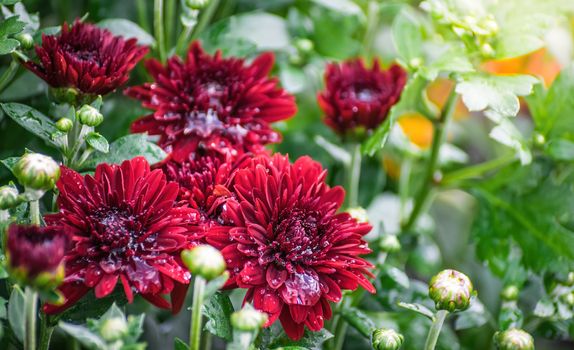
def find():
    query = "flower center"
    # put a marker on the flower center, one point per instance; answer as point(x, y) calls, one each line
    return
point(201, 123)
point(84, 54)
point(117, 230)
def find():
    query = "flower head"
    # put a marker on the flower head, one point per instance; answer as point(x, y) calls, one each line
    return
point(126, 229)
point(513, 339)
point(451, 290)
point(37, 171)
point(288, 246)
point(86, 58)
point(386, 339)
point(212, 102)
point(36, 254)
point(9, 197)
point(248, 319)
point(358, 97)
point(204, 260)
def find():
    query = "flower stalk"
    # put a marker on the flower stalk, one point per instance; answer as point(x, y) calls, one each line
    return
point(31, 306)
point(354, 176)
point(438, 139)
point(159, 29)
point(435, 329)
point(196, 316)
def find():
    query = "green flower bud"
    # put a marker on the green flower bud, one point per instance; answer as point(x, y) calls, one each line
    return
point(37, 171)
point(65, 95)
point(386, 339)
point(486, 50)
point(359, 214)
point(9, 197)
point(89, 116)
point(451, 290)
point(416, 62)
point(196, 4)
point(248, 319)
point(513, 339)
point(569, 298)
point(304, 45)
point(569, 279)
point(204, 261)
point(510, 293)
point(390, 244)
point(26, 40)
point(64, 124)
point(114, 329)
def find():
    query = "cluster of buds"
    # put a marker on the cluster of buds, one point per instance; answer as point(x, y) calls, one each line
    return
point(204, 261)
point(386, 339)
point(513, 339)
point(476, 28)
point(451, 290)
point(36, 255)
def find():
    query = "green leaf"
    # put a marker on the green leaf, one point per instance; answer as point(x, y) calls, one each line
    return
point(396, 275)
point(84, 336)
point(310, 340)
point(357, 319)
point(407, 35)
point(560, 149)
point(338, 153)
point(128, 30)
point(418, 308)
point(494, 93)
point(11, 26)
point(125, 148)
point(10, 162)
point(507, 134)
point(452, 60)
point(8, 46)
point(97, 142)
point(218, 310)
point(16, 312)
point(31, 120)
point(179, 344)
point(413, 99)
point(344, 7)
point(215, 284)
point(90, 307)
point(8, 2)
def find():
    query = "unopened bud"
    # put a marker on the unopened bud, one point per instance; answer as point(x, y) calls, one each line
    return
point(89, 116)
point(26, 40)
point(513, 339)
point(510, 293)
point(304, 45)
point(486, 50)
point(359, 214)
point(204, 261)
point(114, 329)
point(37, 171)
point(569, 279)
point(386, 339)
point(451, 290)
point(9, 197)
point(196, 4)
point(64, 124)
point(390, 244)
point(248, 319)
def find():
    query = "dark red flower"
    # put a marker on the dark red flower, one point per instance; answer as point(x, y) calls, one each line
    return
point(87, 58)
point(356, 96)
point(124, 228)
point(288, 245)
point(35, 250)
point(212, 102)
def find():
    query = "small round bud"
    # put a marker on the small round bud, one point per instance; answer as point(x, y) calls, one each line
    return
point(64, 125)
point(359, 214)
point(196, 4)
point(569, 298)
point(539, 139)
point(451, 290)
point(513, 339)
point(510, 293)
point(390, 244)
point(486, 50)
point(489, 23)
point(26, 40)
point(416, 62)
point(204, 261)
point(114, 329)
point(248, 319)
point(304, 45)
point(37, 171)
point(9, 197)
point(386, 339)
point(89, 116)
point(569, 279)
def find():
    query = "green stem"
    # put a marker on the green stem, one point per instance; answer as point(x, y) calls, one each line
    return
point(353, 176)
point(159, 30)
point(171, 21)
point(45, 333)
point(477, 170)
point(183, 40)
point(371, 27)
point(196, 320)
point(432, 165)
point(435, 329)
point(8, 74)
point(30, 325)
point(35, 212)
point(205, 18)
point(143, 19)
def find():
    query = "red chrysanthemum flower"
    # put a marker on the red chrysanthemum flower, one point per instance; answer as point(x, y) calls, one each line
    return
point(212, 102)
point(288, 245)
point(87, 58)
point(36, 254)
point(356, 96)
point(125, 228)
